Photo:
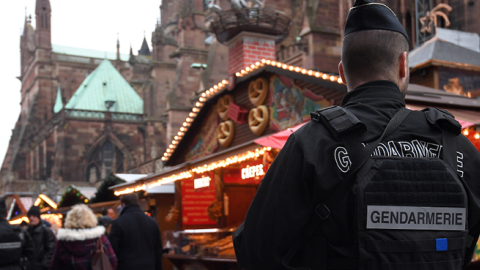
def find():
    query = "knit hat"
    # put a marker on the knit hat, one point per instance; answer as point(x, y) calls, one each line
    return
point(34, 211)
point(368, 15)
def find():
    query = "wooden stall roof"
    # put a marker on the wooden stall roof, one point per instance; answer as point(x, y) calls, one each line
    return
point(208, 97)
point(325, 85)
point(418, 94)
point(329, 86)
point(437, 52)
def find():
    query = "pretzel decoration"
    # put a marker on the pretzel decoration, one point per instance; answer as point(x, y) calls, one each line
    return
point(222, 106)
point(214, 210)
point(258, 119)
point(258, 91)
point(225, 133)
point(172, 216)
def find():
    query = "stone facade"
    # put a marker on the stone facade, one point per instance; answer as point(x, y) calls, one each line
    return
point(48, 145)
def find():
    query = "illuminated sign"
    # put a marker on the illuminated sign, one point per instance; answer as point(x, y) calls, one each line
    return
point(253, 171)
point(201, 182)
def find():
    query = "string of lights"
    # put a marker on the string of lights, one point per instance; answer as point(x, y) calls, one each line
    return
point(209, 93)
point(249, 155)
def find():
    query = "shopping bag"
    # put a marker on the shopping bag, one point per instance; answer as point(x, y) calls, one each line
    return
point(100, 260)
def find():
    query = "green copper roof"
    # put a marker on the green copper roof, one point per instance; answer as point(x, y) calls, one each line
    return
point(106, 90)
point(58, 103)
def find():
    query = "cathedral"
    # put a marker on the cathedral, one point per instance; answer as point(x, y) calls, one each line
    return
point(86, 114)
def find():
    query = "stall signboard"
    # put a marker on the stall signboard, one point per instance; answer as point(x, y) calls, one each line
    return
point(251, 172)
point(197, 194)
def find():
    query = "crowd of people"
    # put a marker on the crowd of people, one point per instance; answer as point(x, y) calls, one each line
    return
point(130, 241)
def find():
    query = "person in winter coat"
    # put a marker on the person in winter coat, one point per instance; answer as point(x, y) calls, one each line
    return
point(135, 237)
point(77, 242)
point(43, 239)
point(15, 244)
point(106, 222)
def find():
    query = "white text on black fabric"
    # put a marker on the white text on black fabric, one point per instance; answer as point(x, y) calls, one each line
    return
point(415, 149)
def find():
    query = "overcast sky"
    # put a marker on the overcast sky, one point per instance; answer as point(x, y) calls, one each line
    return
point(90, 24)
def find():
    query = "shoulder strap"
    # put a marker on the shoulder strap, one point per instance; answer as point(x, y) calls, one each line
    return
point(450, 128)
point(322, 211)
point(442, 119)
point(338, 120)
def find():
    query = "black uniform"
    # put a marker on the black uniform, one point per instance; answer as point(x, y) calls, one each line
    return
point(313, 162)
point(27, 248)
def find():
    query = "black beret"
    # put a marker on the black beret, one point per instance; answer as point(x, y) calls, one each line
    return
point(368, 15)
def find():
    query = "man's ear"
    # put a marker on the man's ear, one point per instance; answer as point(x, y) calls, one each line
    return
point(342, 74)
point(403, 65)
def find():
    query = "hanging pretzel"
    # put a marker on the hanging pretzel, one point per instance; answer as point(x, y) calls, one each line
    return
point(225, 133)
point(222, 106)
point(258, 91)
point(172, 216)
point(258, 119)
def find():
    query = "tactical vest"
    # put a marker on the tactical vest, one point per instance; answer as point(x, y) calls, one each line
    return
point(409, 213)
point(10, 247)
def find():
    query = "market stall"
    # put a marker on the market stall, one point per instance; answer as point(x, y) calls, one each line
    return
point(222, 152)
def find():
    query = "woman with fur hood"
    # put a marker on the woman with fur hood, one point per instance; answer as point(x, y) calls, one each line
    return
point(77, 242)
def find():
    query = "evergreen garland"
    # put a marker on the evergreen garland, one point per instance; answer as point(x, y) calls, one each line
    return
point(103, 193)
point(71, 197)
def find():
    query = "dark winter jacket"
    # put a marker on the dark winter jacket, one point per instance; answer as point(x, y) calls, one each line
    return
point(44, 242)
point(135, 238)
point(313, 162)
point(27, 244)
point(75, 248)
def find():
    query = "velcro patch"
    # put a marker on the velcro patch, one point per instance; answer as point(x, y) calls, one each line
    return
point(442, 244)
point(416, 218)
point(10, 245)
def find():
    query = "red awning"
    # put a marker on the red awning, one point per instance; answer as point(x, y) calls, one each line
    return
point(278, 139)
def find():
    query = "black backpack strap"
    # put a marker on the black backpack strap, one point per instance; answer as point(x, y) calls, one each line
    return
point(322, 211)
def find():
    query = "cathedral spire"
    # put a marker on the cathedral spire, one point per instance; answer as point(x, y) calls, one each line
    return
point(144, 50)
point(43, 24)
point(118, 48)
point(43, 12)
point(27, 21)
